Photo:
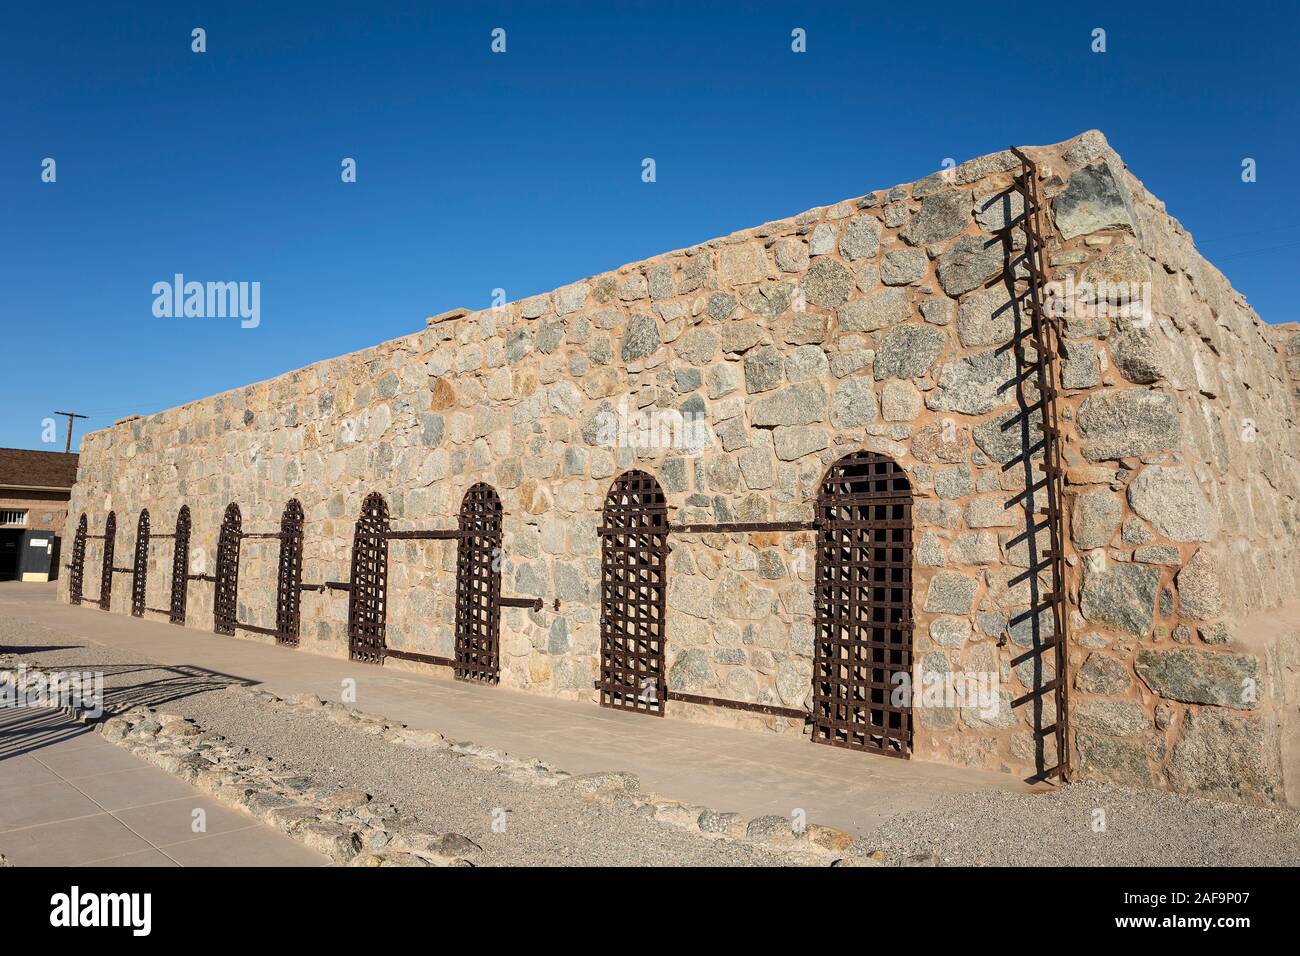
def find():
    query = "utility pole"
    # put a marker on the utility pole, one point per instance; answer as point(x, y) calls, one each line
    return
point(67, 447)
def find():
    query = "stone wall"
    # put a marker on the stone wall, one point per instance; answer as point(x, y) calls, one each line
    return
point(1184, 484)
point(879, 323)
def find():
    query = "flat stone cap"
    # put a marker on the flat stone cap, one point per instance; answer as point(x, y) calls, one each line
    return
point(446, 316)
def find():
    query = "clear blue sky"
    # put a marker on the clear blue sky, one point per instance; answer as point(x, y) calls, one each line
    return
point(522, 170)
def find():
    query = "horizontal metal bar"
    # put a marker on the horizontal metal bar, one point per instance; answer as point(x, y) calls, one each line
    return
point(431, 535)
point(419, 658)
point(124, 570)
point(766, 709)
point(256, 629)
point(534, 603)
point(266, 534)
point(160, 610)
point(740, 527)
point(201, 577)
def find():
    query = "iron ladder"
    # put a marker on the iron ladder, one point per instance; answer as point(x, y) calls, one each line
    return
point(1031, 283)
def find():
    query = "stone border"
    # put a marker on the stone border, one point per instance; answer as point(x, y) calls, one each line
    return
point(817, 844)
point(344, 825)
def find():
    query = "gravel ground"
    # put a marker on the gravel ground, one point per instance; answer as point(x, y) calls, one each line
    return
point(1141, 828)
point(546, 827)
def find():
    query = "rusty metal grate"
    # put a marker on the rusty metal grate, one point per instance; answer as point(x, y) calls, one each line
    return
point(368, 597)
point(863, 619)
point(226, 599)
point(288, 588)
point(478, 586)
point(180, 567)
point(106, 569)
point(78, 567)
point(140, 567)
point(634, 550)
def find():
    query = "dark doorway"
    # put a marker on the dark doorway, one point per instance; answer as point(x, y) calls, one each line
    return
point(11, 551)
point(633, 550)
point(863, 607)
point(478, 586)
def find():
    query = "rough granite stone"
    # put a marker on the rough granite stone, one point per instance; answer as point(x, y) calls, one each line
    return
point(942, 216)
point(1122, 596)
point(907, 351)
point(1127, 422)
point(1091, 201)
point(1169, 497)
point(970, 263)
point(1194, 676)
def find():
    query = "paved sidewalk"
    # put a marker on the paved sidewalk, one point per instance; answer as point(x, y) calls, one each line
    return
point(745, 772)
point(70, 798)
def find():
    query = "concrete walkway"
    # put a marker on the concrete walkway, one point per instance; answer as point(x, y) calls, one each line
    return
point(734, 770)
point(70, 798)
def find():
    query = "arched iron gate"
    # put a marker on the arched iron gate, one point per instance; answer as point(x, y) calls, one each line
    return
point(77, 568)
point(368, 598)
point(288, 588)
point(863, 599)
point(106, 568)
point(478, 586)
point(144, 537)
point(634, 550)
point(225, 602)
point(140, 567)
point(180, 567)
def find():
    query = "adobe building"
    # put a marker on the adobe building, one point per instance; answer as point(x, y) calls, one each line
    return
point(34, 491)
point(876, 473)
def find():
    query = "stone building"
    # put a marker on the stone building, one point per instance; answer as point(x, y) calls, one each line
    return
point(796, 479)
point(34, 491)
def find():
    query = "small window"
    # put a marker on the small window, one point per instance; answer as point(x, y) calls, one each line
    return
point(13, 518)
